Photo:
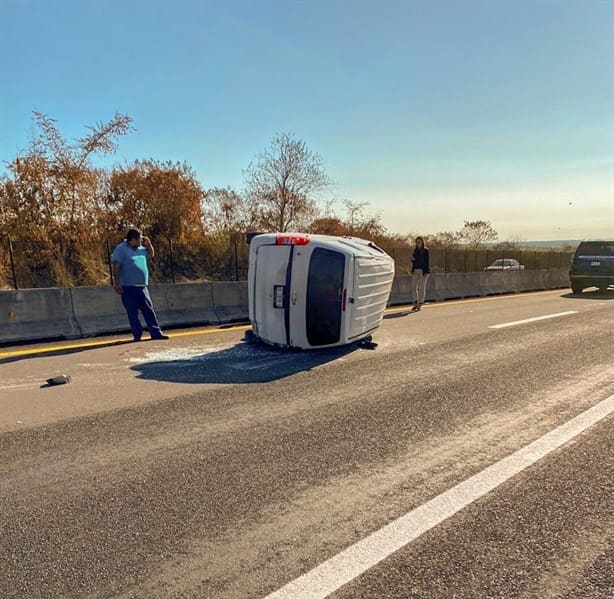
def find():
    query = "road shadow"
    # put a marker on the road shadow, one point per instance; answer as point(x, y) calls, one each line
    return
point(591, 294)
point(241, 364)
point(398, 315)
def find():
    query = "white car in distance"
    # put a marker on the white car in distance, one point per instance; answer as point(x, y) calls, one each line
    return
point(505, 264)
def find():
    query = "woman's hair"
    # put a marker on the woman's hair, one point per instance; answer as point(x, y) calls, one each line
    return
point(422, 240)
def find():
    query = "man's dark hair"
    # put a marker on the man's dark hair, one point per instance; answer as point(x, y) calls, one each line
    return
point(133, 234)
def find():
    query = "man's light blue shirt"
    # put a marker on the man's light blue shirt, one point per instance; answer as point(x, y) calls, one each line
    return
point(132, 262)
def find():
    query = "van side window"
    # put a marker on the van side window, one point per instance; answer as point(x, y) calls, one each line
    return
point(324, 296)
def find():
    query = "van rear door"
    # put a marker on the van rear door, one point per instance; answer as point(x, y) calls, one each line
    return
point(271, 293)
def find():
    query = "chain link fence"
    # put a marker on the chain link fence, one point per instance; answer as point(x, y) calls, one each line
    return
point(32, 264)
point(448, 260)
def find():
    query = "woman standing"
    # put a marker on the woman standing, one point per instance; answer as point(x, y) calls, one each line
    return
point(420, 270)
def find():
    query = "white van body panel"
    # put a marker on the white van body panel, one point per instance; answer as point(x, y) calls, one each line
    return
point(335, 289)
point(371, 289)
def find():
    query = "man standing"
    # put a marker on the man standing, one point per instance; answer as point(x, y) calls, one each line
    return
point(131, 277)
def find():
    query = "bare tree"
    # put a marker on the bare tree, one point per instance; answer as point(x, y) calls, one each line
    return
point(283, 183)
point(355, 213)
point(361, 223)
point(476, 233)
point(68, 164)
point(225, 210)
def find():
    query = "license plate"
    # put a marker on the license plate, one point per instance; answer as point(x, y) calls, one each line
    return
point(278, 296)
point(595, 263)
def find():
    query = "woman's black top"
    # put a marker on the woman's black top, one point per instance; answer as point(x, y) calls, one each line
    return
point(420, 259)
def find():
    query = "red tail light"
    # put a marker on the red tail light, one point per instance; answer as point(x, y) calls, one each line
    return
point(292, 240)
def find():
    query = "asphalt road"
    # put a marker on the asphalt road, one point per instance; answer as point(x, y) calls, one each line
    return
point(202, 467)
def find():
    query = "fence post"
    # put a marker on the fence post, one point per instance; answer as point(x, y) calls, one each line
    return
point(172, 259)
point(465, 259)
point(445, 259)
point(111, 277)
point(236, 255)
point(12, 259)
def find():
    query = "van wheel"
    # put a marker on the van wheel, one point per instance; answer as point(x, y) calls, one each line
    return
point(576, 288)
point(250, 337)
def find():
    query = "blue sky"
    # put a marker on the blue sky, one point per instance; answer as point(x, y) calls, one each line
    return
point(432, 111)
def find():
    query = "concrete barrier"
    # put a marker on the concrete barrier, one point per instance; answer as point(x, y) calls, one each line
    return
point(230, 301)
point(37, 314)
point(34, 314)
point(478, 284)
point(98, 310)
point(184, 305)
point(401, 290)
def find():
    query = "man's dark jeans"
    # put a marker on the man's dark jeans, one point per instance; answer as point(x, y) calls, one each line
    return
point(135, 299)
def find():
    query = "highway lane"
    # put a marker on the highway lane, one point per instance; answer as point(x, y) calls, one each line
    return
point(102, 376)
point(233, 482)
point(549, 532)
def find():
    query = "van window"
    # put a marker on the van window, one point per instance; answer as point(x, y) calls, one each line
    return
point(324, 296)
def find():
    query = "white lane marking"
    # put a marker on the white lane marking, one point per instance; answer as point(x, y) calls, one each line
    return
point(535, 319)
point(358, 558)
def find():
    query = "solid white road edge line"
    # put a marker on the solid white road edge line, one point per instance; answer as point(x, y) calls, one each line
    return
point(536, 318)
point(358, 558)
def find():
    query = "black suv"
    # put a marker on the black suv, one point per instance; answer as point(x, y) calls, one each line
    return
point(592, 265)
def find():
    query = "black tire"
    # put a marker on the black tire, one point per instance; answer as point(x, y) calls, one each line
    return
point(250, 337)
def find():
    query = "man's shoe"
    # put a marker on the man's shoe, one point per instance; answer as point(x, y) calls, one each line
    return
point(136, 340)
point(160, 338)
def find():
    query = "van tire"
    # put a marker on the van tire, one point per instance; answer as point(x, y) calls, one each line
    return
point(250, 337)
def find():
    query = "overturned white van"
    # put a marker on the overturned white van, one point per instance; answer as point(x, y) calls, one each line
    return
point(314, 291)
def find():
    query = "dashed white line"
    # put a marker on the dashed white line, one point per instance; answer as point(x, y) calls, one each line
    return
point(358, 558)
point(534, 319)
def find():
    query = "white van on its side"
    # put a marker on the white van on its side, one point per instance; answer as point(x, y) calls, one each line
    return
point(312, 291)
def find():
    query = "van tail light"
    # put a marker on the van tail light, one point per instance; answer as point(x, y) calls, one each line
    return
point(292, 240)
point(345, 297)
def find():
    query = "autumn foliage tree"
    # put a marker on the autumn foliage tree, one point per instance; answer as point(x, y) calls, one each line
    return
point(51, 200)
point(354, 220)
point(60, 209)
point(162, 198)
